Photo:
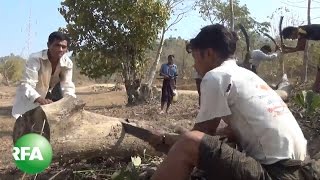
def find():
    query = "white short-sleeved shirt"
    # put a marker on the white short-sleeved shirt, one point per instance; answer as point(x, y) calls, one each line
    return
point(262, 122)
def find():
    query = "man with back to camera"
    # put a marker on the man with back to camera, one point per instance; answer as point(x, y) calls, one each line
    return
point(273, 144)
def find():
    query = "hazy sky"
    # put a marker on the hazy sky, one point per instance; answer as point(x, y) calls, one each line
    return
point(44, 18)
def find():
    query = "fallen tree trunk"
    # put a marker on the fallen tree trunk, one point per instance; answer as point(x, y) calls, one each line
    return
point(76, 133)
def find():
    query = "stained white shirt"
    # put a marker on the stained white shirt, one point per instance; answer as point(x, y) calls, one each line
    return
point(38, 77)
point(257, 56)
point(262, 122)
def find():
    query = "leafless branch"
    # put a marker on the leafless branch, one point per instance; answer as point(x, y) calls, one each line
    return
point(177, 20)
point(298, 6)
point(175, 3)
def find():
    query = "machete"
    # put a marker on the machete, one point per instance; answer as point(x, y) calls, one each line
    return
point(243, 30)
point(148, 136)
point(273, 40)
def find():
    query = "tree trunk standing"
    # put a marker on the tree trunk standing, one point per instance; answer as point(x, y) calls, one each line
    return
point(304, 74)
point(173, 7)
point(6, 78)
point(5, 71)
point(132, 92)
point(183, 68)
point(132, 85)
point(232, 15)
point(153, 69)
point(130, 74)
point(281, 67)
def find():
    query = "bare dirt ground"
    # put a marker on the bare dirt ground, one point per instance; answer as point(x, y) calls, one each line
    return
point(100, 99)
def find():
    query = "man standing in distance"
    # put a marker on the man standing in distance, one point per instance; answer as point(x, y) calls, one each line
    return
point(169, 73)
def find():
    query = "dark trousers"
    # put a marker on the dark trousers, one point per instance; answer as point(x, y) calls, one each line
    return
point(55, 94)
point(168, 85)
point(218, 160)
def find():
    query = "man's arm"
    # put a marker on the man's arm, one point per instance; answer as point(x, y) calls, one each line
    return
point(207, 127)
point(268, 57)
point(214, 104)
point(29, 79)
point(67, 85)
point(162, 73)
point(301, 44)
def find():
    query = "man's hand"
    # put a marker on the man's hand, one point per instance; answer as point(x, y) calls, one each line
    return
point(157, 141)
point(163, 142)
point(43, 101)
point(227, 131)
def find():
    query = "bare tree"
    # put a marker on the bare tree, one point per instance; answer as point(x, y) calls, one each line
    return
point(232, 15)
point(304, 73)
point(174, 7)
point(5, 67)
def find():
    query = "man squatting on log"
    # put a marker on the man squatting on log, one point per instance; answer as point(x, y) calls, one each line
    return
point(45, 70)
point(303, 33)
point(169, 73)
point(273, 145)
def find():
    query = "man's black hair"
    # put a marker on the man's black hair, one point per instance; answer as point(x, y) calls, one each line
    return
point(286, 32)
point(57, 35)
point(266, 48)
point(217, 37)
point(171, 56)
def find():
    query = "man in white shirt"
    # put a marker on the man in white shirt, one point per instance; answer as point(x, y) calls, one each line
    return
point(43, 71)
point(260, 55)
point(273, 144)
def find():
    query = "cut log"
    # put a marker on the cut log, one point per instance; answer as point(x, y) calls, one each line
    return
point(76, 133)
